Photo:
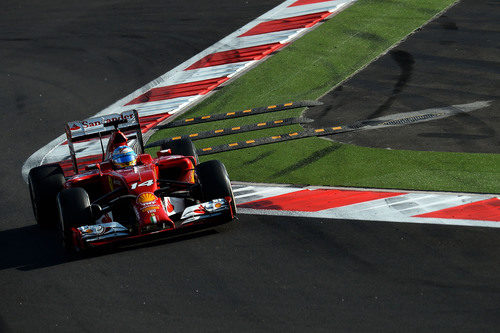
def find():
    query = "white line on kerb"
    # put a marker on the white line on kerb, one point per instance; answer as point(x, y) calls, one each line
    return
point(440, 202)
point(255, 193)
point(246, 188)
point(384, 203)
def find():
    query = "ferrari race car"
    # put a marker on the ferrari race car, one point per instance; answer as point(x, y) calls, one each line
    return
point(127, 194)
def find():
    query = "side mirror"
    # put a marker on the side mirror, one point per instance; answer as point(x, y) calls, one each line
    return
point(95, 166)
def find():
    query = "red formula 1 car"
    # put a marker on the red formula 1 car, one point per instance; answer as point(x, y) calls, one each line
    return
point(127, 195)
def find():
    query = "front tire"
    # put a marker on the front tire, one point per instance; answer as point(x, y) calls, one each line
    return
point(74, 211)
point(215, 182)
point(45, 182)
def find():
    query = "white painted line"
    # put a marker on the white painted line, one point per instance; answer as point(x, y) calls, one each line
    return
point(375, 204)
point(326, 6)
point(261, 39)
point(167, 103)
point(204, 73)
point(441, 203)
point(272, 191)
point(255, 193)
point(246, 188)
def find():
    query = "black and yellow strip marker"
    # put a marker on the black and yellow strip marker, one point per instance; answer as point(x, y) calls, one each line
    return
point(231, 130)
point(273, 139)
point(237, 114)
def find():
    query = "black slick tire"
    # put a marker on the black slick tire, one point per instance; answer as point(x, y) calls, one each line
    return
point(44, 183)
point(183, 147)
point(214, 181)
point(74, 211)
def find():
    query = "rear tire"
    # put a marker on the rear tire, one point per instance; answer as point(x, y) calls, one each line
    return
point(215, 182)
point(74, 211)
point(45, 182)
point(183, 147)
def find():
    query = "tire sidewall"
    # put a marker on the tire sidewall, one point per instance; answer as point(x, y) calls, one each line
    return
point(74, 211)
point(214, 181)
point(44, 183)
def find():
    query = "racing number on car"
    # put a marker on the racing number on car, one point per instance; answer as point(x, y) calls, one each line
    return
point(146, 183)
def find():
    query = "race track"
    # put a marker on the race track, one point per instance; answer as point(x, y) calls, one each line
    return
point(451, 61)
point(60, 63)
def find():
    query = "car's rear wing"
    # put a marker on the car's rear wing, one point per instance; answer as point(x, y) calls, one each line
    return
point(98, 127)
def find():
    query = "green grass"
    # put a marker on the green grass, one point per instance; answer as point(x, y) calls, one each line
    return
point(320, 162)
point(307, 69)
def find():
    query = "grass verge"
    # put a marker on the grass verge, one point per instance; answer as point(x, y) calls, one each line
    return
point(307, 69)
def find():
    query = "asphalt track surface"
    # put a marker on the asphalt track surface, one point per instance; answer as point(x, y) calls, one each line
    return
point(66, 60)
point(451, 61)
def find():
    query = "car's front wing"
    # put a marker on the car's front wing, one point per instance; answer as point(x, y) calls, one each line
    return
point(216, 211)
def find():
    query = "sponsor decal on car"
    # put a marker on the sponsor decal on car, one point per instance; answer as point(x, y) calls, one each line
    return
point(146, 183)
point(96, 230)
point(146, 198)
point(150, 209)
point(204, 210)
point(147, 201)
point(200, 210)
point(94, 122)
point(170, 207)
point(75, 127)
point(92, 233)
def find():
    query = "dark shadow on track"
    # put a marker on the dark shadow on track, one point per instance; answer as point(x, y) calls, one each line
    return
point(30, 248)
point(3, 326)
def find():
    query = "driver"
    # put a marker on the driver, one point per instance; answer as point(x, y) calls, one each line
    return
point(123, 156)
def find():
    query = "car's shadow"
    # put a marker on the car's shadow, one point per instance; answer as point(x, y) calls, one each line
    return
point(28, 248)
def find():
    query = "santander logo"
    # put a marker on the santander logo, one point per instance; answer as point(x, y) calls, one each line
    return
point(95, 122)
